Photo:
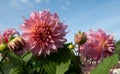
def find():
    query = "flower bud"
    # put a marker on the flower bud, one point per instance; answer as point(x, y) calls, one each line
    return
point(3, 46)
point(71, 46)
point(16, 44)
point(80, 38)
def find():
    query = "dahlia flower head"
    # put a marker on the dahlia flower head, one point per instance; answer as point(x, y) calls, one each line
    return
point(98, 45)
point(6, 34)
point(43, 33)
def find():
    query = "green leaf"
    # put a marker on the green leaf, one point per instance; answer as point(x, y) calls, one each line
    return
point(62, 68)
point(27, 57)
point(54, 68)
point(16, 70)
point(105, 65)
point(5, 67)
point(75, 66)
point(14, 59)
point(117, 48)
point(58, 63)
point(51, 67)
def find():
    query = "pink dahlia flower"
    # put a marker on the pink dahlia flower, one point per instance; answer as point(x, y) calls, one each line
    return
point(43, 33)
point(98, 45)
point(6, 34)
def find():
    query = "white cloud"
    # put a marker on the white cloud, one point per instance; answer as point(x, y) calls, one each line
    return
point(20, 3)
point(38, 1)
point(47, 1)
point(25, 1)
point(108, 23)
point(15, 3)
point(66, 5)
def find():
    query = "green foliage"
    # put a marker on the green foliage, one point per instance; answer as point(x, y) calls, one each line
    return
point(58, 63)
point(6, 67)
point(105, 65)
point(55, 63)
point(117, 48)
point(16, 70)
point(27, 57)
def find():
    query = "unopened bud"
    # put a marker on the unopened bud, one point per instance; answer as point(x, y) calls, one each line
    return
point(16, 44)
point(71, 46)
point(3, 47)
point(80, 38)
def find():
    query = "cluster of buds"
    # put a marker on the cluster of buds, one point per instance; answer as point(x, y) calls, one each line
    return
point(16, 45)
point(80, 38)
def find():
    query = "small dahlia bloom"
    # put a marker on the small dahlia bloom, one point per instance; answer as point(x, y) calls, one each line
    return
point(98, 46)
point(6, 34)
point(4, 37)
point(43, 33)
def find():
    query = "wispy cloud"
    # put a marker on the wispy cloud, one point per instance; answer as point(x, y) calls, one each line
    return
point(108, 22)
point(25, 1)
point(20, 3)
point(38, 1)
point(47, 1)
point(14, 3)
point(66, 5)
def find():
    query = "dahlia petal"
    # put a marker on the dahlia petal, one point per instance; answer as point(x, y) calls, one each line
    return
point(53, 46)
point(40, 51)
point(110, 50)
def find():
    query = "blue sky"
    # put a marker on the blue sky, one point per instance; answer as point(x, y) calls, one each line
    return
point(77, 14)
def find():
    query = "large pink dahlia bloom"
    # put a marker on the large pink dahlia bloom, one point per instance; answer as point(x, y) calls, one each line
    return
point(98, 45)
point(43, 33)
point(6, 34)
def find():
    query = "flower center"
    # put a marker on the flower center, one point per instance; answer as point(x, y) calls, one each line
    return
point(42, 33)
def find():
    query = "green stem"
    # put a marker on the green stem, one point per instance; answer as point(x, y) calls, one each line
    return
point(4, 57)
point(79, 64)
point(2, 61)
point(1, 71)
point(41, 70)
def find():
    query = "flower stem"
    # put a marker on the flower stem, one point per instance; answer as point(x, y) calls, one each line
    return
point(2, 60)
point(79, 64)
point(41, 70)
point(1, 71)
point(4, 57)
